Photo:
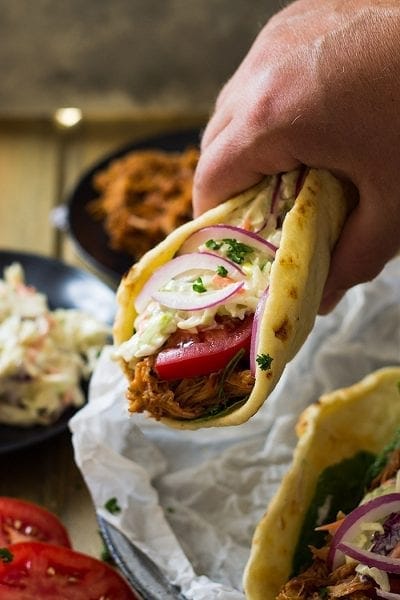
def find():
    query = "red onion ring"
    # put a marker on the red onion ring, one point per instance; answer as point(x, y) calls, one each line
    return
point(177, 266)
point(198, 302)
point(255, 332)
point(372, 511)
point(219, 232)
point(275, 196)
point(371, 559)
point(274, 205)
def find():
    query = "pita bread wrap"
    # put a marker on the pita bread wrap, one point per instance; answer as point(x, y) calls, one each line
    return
point(346, 423)
point(310, 229)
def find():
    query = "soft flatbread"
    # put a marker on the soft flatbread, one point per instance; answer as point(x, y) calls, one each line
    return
point(309, 233)
point(363, 417)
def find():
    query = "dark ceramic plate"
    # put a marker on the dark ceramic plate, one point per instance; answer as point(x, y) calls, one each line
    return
point(143, 575)
point(88, 234)
point(65, 287)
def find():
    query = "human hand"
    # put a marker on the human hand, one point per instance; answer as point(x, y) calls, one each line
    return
point(321, 87)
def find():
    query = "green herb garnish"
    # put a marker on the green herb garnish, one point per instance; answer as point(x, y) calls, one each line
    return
point(339, 487)
point(105, 554)
point(198, 286)
point(5, 555)
point(264, 361)
point(112, 506)
point(230, 367)
point(381, 460)
point(213, 245)
point(222, 272)
point(237, 251)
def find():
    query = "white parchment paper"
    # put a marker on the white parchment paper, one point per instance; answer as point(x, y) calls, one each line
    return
point(191, 500)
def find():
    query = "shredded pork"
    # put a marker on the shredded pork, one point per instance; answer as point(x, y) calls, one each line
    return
point(143, 197)
point(317, 582)
point(186, 398)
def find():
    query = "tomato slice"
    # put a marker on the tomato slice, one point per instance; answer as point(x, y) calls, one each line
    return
point(44, 571)
point(191, 355)
point(22, 521)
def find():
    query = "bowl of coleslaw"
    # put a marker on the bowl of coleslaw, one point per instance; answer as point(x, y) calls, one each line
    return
point(54, 321)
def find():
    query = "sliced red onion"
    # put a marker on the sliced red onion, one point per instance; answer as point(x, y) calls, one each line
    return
point(255, 332)
point(204, 261)
point(387, 595)
point(198, 301)
point(371, 559)
point(275, 196)
point(274, 205)
point(374, 510)
point(219, 232)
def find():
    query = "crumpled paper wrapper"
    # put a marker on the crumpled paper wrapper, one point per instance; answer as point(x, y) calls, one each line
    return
point(191, 500)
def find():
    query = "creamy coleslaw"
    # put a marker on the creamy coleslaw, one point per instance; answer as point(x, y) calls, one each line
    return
point(44, 354)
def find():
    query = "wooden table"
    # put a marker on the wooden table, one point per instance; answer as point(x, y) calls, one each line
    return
point(39, 163)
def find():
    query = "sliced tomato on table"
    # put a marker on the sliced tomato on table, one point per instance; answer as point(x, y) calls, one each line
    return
point(35, 570)
point(191, 355)
point(22, 521)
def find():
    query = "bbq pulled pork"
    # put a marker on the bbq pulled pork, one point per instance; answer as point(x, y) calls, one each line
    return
point(143, 197)
point(184, 398)
point(317, 583)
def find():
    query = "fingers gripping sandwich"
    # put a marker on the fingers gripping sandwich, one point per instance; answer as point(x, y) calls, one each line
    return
point(208, 319)
point(333, 528)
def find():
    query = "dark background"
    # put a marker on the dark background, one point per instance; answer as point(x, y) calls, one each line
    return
point(122, 56)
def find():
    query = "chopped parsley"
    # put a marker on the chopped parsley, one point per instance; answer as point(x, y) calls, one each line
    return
point(264, 361)
point(213, 245)
point(112, 506)
point(198, 286)
point(105, 554)
point(222, 272)
point(237, 251)
point(5, 555)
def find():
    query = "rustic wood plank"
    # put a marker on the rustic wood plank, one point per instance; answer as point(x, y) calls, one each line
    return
point(46, 474)
point(28, 176)
point(31, 157)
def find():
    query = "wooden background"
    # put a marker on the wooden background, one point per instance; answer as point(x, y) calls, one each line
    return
point(39, 164)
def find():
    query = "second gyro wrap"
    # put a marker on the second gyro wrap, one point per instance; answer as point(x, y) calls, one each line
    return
point(341, 446)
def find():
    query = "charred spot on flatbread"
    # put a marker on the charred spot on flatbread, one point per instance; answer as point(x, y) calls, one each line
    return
point(282, 332)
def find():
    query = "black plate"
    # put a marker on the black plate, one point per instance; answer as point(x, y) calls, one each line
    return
point(65, 287)
point(88, 234)
point(140, 571)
